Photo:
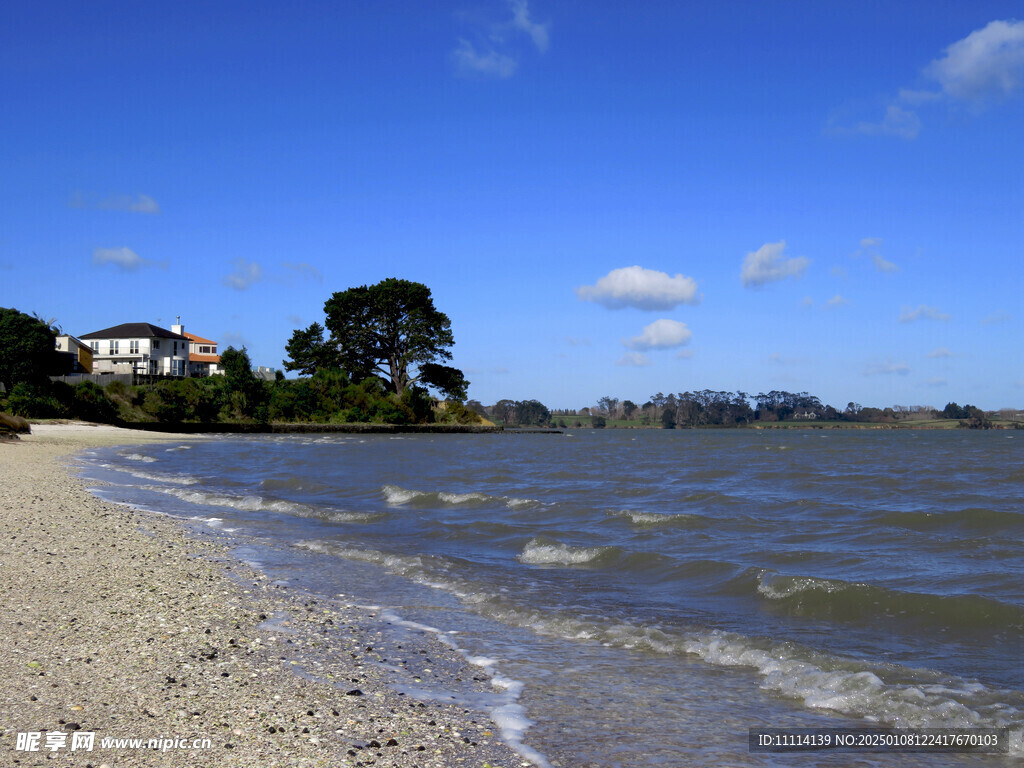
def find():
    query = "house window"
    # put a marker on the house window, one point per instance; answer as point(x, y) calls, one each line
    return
point(113, 346)
point(205, 350)
point(133, 347)
point(177, 367)
point(95, 346)
point(156, 343)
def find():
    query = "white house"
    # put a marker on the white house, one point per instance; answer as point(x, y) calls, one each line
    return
point(138, 348)
point(203, 359)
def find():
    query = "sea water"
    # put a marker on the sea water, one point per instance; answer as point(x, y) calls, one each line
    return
point(645, 597)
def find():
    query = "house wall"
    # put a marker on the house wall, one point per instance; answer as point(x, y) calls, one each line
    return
point(123, 360)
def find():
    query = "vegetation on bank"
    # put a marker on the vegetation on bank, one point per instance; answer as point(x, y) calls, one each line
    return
point(379, 375)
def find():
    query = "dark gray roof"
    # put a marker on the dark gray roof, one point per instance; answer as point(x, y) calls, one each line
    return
point(133, 331)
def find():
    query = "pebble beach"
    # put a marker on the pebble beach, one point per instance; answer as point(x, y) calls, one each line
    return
point(126, 625)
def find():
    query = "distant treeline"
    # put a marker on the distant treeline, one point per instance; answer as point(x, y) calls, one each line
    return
point(708, 408)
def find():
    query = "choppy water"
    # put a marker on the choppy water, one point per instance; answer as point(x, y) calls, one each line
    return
point(645, 597)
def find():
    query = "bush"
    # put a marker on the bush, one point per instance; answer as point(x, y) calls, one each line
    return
point(90, 403)
point(36, 401)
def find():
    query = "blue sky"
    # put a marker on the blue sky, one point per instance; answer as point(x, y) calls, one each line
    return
point(605, 198)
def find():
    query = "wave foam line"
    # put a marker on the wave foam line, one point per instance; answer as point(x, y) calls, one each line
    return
point(396, 495)
point(255, 503)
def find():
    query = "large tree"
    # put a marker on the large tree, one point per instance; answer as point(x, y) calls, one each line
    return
point(27, 349)
point(390, 330)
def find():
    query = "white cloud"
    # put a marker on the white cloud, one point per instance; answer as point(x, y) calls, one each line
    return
point(988, 62)
point(683, 354)
point(897, 122)
point(305, 270)
point(937, 381)
point(495, 54)
point(923, 312)
point(807, 301)
point(837, 301)
point(886, 368)
point(940, 352)
point(521, 21)
point(123, 258)
point(882, 265)
point(468, 61)
point(633, 360)
point(838, 271)
point(573, 342)
point(137, 204)
point(869, 247)
point(246, 273)
point(661, 334)
point(640, 288)
point(766, 265)
point(996, 317)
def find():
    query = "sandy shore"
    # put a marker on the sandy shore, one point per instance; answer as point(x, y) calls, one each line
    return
point(121, 624)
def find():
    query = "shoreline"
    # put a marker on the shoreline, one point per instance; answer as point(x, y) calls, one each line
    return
point(128, 625)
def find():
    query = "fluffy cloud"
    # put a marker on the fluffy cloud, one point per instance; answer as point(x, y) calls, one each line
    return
point(898, 122)
point(491, 63)
point(988, 62)
point(633, 360)
point(766, 265)
point(661, 334)
point(995, 318)
point(521, 21)
point(836, 301)
point(940, 352)
point(923, 312)
point(123, 258)
point(887, 368)
point(869, 247)
point(246, 273)
point(137, 204)
point(882, 265)
point(640, 288)
point(496, 54)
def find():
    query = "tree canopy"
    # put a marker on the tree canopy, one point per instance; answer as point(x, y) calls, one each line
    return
point(27, 350)
point(390, 330)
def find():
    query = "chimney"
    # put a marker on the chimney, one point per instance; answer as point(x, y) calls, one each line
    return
point(178, 328)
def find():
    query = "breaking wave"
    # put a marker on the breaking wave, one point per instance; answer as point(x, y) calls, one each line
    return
point(397, 496)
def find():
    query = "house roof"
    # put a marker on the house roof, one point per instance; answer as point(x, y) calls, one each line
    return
point(194, 358)
point(133, 331)
point(199, 339)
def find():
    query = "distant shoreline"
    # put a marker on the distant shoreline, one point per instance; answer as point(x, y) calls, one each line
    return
point(227, 428)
